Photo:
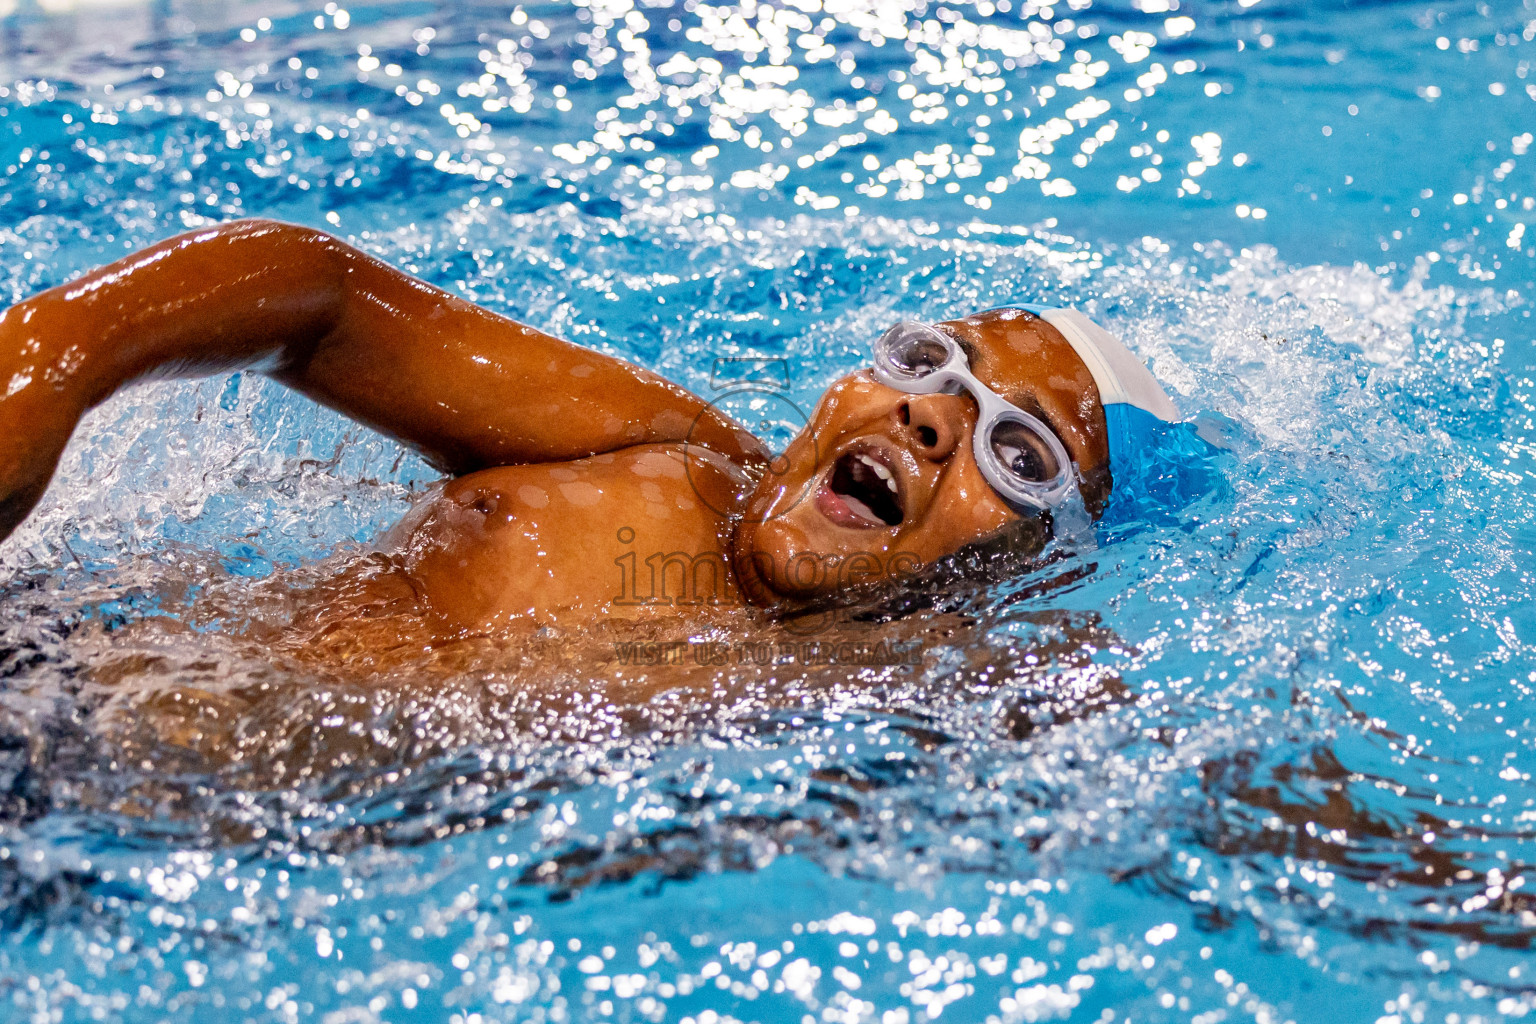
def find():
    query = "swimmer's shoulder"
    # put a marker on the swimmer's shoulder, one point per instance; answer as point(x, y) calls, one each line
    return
point(645, 481)
point(559, 541)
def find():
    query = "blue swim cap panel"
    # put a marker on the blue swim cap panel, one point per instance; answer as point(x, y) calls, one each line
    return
point(1158, 467)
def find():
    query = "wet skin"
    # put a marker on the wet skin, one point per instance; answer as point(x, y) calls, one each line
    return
point(581, 486)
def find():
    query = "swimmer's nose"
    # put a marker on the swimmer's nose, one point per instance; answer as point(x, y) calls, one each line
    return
point(932, 424)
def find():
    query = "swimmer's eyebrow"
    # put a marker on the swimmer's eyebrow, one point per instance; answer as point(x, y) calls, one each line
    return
point(1030, 404)
point(973, 356)
point(1027, 402)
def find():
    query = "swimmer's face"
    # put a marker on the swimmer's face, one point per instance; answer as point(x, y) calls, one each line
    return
point(881, 483)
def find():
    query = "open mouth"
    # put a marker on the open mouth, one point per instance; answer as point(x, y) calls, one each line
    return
point(861, 491)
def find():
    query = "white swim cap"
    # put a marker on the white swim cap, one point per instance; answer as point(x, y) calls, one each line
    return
point(1134, 402)
point(1122, 378)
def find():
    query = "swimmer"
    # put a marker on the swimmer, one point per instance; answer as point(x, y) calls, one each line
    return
point(580, 486)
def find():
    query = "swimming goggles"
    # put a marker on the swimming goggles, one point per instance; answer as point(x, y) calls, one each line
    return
point(1021, 457)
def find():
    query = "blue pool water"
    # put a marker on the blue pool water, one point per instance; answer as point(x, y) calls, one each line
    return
point(1263, 755)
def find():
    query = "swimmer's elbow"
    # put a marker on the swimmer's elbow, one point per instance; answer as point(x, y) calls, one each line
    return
point(321, 245)
point(316, 261)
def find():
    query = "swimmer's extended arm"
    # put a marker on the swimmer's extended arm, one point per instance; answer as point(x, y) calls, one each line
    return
point(467, 387)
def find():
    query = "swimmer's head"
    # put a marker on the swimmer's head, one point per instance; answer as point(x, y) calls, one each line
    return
point(881, 483)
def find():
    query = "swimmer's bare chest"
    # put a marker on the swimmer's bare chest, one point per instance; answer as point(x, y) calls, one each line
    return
point(631, 534)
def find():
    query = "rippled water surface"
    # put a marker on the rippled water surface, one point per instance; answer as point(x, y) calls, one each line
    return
point(1263, 755)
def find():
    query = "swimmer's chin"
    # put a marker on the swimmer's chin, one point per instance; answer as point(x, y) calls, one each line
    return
point(752, 553)
point(754, 588)
point(757, 549)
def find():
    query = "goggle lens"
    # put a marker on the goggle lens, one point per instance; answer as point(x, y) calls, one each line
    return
point(1024, 453)
point(913, 350)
